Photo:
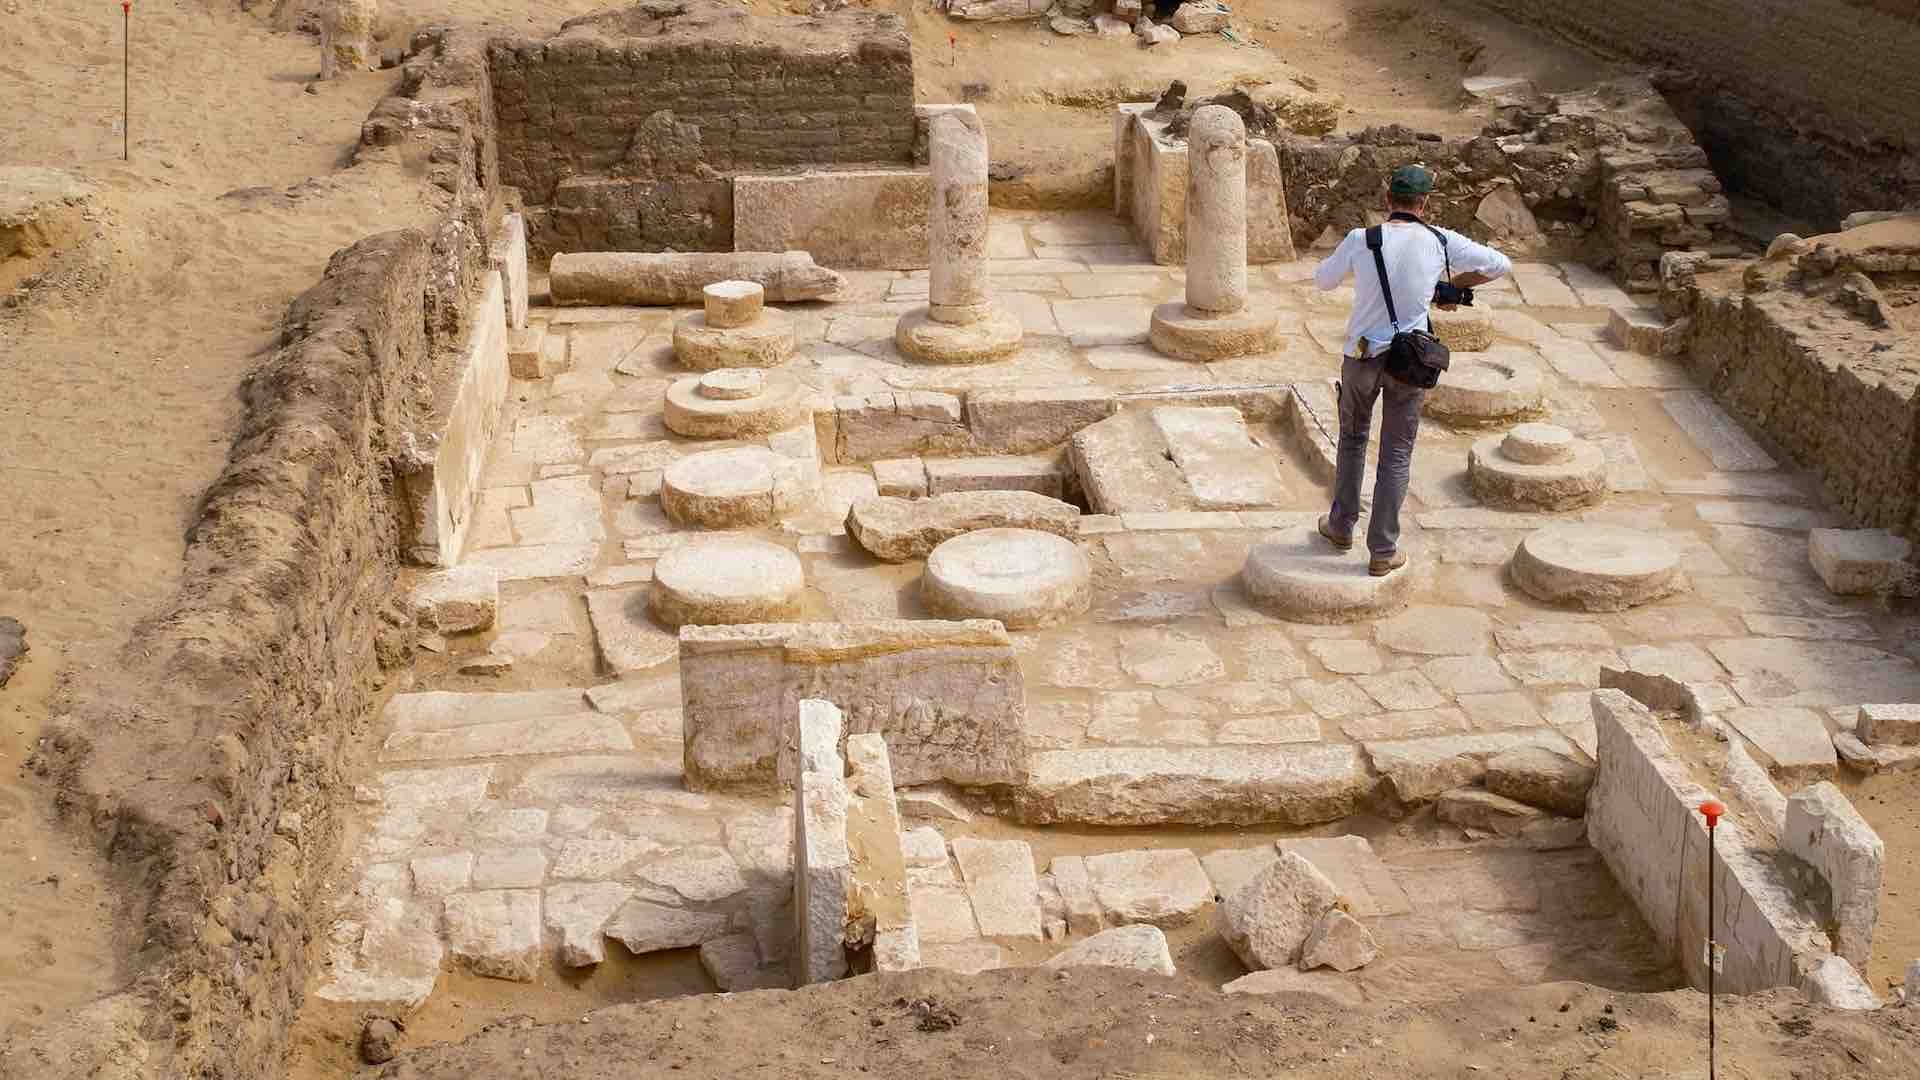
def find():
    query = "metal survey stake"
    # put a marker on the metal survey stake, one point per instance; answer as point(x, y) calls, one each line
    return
point(126, 80)
point(1712, 809)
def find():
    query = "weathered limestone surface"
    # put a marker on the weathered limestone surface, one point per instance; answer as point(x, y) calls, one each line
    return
point(1417, 770)
point(1268, 920)
point(1642, 817)
point(458, 600)
point(1296, 785)
point(726, 579)
point(1486, 812)
point(894, 424)
point(496, 932)
point(1889, 725)
point(1596, 567)
point(810, 212)
point(878, 912)
point(1334, 989)
point(1338, 941)
point(1025, 578)
point(1026, 420)
point(1080, 907)
point(1858, 562)
point(822, 877)
point(1164, 888)
point(621, 277)
point(1754, 788)
point(948, 697)
point(898, 530)
point(644, 926)
point(440, 482)
point(1140, 947)
point(1826, 832)
point(1542, 778)
point(1349, 862)
point(1300, 577)
point(577, 912)
point(1002, 886)
point(1790, 742)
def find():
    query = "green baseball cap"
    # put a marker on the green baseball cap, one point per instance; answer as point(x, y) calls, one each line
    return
point(1411, 180)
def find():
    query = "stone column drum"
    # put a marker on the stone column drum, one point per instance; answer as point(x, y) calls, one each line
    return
point(960, 324)
point(1215, 322)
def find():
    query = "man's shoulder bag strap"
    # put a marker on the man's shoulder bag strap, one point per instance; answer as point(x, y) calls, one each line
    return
point(1374, 237)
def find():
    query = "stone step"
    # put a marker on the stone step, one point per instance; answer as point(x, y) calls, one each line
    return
point(1045, 474)
point(1637, 329)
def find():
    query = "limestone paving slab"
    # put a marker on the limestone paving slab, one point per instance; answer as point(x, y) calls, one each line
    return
point(1712, 430)
point(1163, 888)
point(582, 732)
point(1364, 881)
point(627, 637)
point(1001, 885)
point(497, 932)
point(576, 914)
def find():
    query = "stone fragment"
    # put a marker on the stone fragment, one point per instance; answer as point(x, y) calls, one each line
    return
point(1540, 777)
point(733, 963)
point(1420, 769)
point(1365, 883)
point(897, 423)
point(1874, 759)
point(1827, 833)
point(1268, 920)
point(458, 600)
point(822, 877)
point(932, 803)
point(1001, 885)
point(923, 847)
point(378, 1040)
point(577, 912)
point(1338, 941)
point(1200, 17)
point(1074, 885)
point(619, 277)
point(1471, 808)
point(1045, 475)
point(1165, 888)
point(1836, 984)
point(1858, 562)
point(627, 637)
point(496, 933)
point(1025, 578)
point(1029, 420)
point(1336, 990)
point(644, 927)
point(1143, 948)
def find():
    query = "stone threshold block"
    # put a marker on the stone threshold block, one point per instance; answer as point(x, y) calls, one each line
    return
point(1294, 785)
point(948, 697)
point(810, 212)
point(439, 479)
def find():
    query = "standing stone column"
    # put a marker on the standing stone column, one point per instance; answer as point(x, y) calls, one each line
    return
point(960, 324)
point(1214, 323)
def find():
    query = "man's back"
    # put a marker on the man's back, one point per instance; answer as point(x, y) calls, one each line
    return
point(1415, 263)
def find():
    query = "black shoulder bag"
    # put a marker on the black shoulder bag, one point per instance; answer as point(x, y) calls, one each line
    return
point(1414, 357)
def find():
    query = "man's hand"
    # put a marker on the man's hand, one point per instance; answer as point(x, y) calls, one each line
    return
point(1448, 307)
point(1468, 281)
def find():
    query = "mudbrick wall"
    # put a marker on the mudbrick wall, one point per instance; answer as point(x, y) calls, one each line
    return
point(622, 132)
point(209, 760)
point(1813, 105)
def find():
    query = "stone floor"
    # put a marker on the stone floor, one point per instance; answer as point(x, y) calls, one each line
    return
point(509, 810)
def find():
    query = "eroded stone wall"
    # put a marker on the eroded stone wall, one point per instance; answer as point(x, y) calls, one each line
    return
point(209, 761)
point(623, 131)
point(1813, 105)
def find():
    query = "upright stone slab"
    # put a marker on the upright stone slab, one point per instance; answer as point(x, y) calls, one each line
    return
point(948, 697)
point(1214, 323)
point(1826, 832)
point(960, 324)
point(878, 913)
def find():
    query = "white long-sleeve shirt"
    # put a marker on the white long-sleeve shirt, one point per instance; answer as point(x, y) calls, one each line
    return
point(1414, 266)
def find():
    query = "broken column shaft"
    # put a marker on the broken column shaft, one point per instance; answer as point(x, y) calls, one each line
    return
point(1214, 323)
point(960, 324)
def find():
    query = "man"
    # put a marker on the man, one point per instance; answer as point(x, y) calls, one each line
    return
point(1415, 264)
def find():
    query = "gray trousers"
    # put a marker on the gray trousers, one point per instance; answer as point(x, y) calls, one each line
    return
point(1361, 383)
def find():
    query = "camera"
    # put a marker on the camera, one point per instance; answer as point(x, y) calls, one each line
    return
point(1446, 292)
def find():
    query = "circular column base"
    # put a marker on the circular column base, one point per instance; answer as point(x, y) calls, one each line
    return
point(1596, 567)
point(995, 337)
point(1023, 577)
point(1184, 334)
point(1498, 480)
point(724, 489)
point(1302, 578)
point(693, 410)
point(765, 342)
point(726, 579)
point(1486, 388)
point(1467, 329)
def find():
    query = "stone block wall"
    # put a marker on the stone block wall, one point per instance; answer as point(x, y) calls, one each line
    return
point(623, 131)
point(1812, 104)
point(211, 757)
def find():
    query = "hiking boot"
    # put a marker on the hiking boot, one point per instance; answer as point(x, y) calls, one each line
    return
point(1380, 567)
point(1326, 530)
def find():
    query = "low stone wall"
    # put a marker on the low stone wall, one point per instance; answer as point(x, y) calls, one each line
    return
point(1643, 818)
point(1150, 190)
point(209, 760)
point(948, 697)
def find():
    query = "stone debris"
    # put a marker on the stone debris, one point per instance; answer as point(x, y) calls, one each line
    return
point(1333, 989)
point(1001, 885)
point(1541, 777)
point(1483, 811)
point(1826, 832)
point(1163, 888)
point(577, 913)
point(644, 927)
point(1859, 562)
point(1338, 941)
point(898, 530)
point(456, 601)
point(1268, 920)
point(620, 277)
point(1874, 759)
point(496, 933)
point(1143, 948)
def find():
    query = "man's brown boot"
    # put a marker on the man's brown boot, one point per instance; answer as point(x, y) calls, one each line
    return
point(1379, 567)
point(1326, 531)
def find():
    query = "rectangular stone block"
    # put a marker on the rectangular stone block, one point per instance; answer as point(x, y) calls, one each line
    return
point(813, 212)
point(894, 424)
point(1001, 885)
point(822, 878)
point(948, 697)
point(1163, 888)
point(525, 349)
point(1889, 725)
point(1791, 743)
point(1046, 475)
point(1023, 421)
point(1418, 770)
point(1157, 175)
point(1828, 834)
point(904, 478)
point(1295, 785)
point(1857, 562)
point(440, 481)
point(1642, 817)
